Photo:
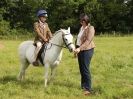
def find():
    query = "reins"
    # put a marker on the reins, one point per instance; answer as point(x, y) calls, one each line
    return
point(58, 45)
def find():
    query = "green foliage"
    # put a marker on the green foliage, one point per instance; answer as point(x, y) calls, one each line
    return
point(6, 31)
point(105, 15)
point(4, 27)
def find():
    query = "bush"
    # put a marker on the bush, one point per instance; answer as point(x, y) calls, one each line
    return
point(4, 28)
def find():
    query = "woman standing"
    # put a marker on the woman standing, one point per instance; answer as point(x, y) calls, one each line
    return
point(84, 50)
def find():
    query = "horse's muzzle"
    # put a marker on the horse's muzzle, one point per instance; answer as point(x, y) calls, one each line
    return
point(71, 48)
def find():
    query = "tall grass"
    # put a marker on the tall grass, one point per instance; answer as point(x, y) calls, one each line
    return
point(111, 67)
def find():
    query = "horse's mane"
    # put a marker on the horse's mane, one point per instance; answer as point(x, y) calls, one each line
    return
point(56, 32)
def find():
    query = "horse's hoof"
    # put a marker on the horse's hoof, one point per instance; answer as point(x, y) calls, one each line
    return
point(19, 79)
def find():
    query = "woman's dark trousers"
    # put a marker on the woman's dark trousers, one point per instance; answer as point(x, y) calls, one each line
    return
point(84, 58)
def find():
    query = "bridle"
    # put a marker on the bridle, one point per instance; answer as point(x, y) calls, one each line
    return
point(66, 45)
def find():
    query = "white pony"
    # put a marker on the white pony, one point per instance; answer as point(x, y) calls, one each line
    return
point(53, 53)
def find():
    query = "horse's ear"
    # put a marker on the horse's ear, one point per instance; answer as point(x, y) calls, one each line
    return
point(61, 29)
point(69, 29)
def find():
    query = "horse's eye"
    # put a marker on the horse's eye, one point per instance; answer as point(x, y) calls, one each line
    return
point(65, 39)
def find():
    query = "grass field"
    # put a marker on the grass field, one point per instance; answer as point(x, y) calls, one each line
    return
point(112, 73)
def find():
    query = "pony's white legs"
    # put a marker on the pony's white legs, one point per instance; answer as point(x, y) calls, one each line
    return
point(53, 67)
point(46, 74)
point(23, 67)
point(53, 70)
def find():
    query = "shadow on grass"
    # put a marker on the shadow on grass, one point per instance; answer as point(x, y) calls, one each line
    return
point(13, 80)
point(68, 84)
point(7, 79)
point(51, 89)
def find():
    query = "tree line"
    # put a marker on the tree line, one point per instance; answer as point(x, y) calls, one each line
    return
point(18, 16)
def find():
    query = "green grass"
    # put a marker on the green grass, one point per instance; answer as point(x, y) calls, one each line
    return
point(111, 67)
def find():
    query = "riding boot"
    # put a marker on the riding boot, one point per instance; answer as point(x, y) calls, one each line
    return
point(35, 63)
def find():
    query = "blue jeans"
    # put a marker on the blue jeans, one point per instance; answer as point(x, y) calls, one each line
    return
point(84, 58)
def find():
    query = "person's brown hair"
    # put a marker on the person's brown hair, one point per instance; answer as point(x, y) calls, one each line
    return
point(84, 17)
